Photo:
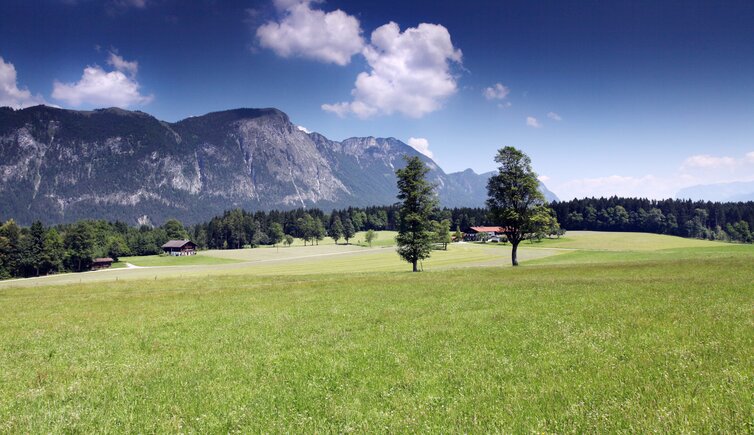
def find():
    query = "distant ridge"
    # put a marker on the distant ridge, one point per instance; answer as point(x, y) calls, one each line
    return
point(721, 192)
point(62, 165)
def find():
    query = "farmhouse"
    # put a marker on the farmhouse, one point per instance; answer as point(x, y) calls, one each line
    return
point(485, 233)
point(102, 263)
point(179, 247)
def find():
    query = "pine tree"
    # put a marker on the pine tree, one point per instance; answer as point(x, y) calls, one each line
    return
point(336, 228)
point(348, 229)
point(418, 200)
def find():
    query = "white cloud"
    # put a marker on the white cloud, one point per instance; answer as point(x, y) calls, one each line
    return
point(304, 129)
point(332, 37)
point(122, 65)
point(496, 92)
point(707, 161)
point(695, 170)
point(543, 178)
point(98, 87)
point(10, 94)
point(409, 73)
point(554, 116)
point(422, 145)
point(533, 122)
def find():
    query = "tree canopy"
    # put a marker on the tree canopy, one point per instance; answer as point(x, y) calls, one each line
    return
point(514, 199)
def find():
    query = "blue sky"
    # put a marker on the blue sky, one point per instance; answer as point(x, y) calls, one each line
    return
point(635, 98)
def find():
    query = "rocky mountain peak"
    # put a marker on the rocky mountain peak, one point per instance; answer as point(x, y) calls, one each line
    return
point(61, 165)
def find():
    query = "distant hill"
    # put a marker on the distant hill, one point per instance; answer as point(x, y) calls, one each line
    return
point(62, 165)
point(722, 192)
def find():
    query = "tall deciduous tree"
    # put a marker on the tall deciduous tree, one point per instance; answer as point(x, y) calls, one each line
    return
point(175, 230)
point(418, 200)
point(514, 199)
point(276, 233)
point(79, 245)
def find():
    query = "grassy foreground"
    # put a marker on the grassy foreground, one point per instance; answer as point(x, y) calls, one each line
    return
point(653, 343)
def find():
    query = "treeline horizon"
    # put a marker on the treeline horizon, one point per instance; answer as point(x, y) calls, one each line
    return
point(39, 250)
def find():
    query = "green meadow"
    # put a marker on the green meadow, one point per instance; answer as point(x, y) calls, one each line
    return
point(594, 332)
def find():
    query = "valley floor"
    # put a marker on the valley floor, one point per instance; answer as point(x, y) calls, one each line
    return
point(593, 333)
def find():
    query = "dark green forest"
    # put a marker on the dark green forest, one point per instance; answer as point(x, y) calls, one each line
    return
point(40, 250)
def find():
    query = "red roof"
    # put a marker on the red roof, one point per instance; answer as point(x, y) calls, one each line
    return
point(487, 229)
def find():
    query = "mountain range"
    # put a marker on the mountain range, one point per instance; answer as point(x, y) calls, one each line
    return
point(62, 165)
point(722, 192)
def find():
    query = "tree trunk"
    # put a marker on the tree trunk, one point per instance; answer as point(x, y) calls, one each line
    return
point(415, 269)
point(514, 253)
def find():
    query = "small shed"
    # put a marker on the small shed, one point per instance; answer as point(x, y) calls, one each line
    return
point(179, 247)
point(102, 263)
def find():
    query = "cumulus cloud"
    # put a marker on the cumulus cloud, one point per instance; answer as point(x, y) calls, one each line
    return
point(98, 87)
point(708, 161)
point(533, 122)
point(409, 73)
point(543, 178)
point(330, 37)
point(422, 145)
point(10, 94)
point(554, 116)
point(304, 129)
point(496, 92)
point(122, 65)
point(708, 169)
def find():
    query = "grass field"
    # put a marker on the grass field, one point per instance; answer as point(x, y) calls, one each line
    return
point(202, 258)
point(601, 241)
point(615, 336)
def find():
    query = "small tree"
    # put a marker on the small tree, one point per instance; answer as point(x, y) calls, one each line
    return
point(348, 230)
point(458, 234)
point(418, 200)
point(370, 236)
point(336, 229)
point(514, 197)
point(442, 233)
point(319, 230)
point(275, 234)
point(306, 228)
point(288, 240)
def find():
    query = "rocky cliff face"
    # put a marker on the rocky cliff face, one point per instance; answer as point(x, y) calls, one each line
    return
point(62, 165)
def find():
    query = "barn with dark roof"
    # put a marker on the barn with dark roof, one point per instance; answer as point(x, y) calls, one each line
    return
point(179, 247)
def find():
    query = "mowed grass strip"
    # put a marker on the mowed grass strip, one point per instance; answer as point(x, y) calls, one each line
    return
point(201, 258)
point(623, 241)
point(665, 345)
